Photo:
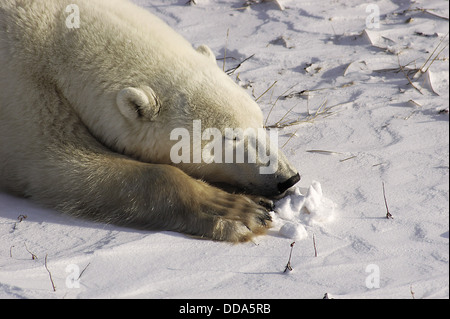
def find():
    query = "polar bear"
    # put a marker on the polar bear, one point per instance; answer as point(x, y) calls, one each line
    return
point(90, 91)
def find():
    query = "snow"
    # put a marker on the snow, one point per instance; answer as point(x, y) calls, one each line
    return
point(295, 211)
point(342, 85)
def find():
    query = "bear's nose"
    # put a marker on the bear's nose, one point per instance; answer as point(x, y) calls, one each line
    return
point(282, 187)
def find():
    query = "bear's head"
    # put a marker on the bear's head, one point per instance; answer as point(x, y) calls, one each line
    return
point(196, 118)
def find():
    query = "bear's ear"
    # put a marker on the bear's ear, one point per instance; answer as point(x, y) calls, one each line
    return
point(205, 50)
point(138, 103)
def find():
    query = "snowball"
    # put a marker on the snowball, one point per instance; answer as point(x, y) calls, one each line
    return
point(293, 230)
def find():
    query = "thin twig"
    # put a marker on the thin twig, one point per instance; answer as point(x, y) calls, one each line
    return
point(407, 77)
point(437, 56)
point(256, 100)
point(83, 271)
point(388, 214)
point(348, 158)
point(322, 111)
point(33, 256)
point(276, 101)
point(288, 266)
point(286, 114)
point(232, 70)
point(49, 273)
point(20, 218)
point(379, 164)
point(306, 92)
point(324, 152)
point(225, 50)
point(412, 292)
point(292, 135)
point(314, 243)
point(432, 53)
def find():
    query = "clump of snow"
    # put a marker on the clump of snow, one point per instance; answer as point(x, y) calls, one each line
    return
point(295, 211)
point(317, 208)
point(293, 230)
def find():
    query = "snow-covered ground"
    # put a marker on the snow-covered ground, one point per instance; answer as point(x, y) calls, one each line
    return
point(346, 83)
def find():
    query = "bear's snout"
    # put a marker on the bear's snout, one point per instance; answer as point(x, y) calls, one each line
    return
point(284, 186)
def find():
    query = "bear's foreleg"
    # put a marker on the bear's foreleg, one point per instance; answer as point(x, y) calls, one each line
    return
point(106, 187)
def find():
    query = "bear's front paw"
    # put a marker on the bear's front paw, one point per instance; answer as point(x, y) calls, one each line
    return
point(234, 218)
